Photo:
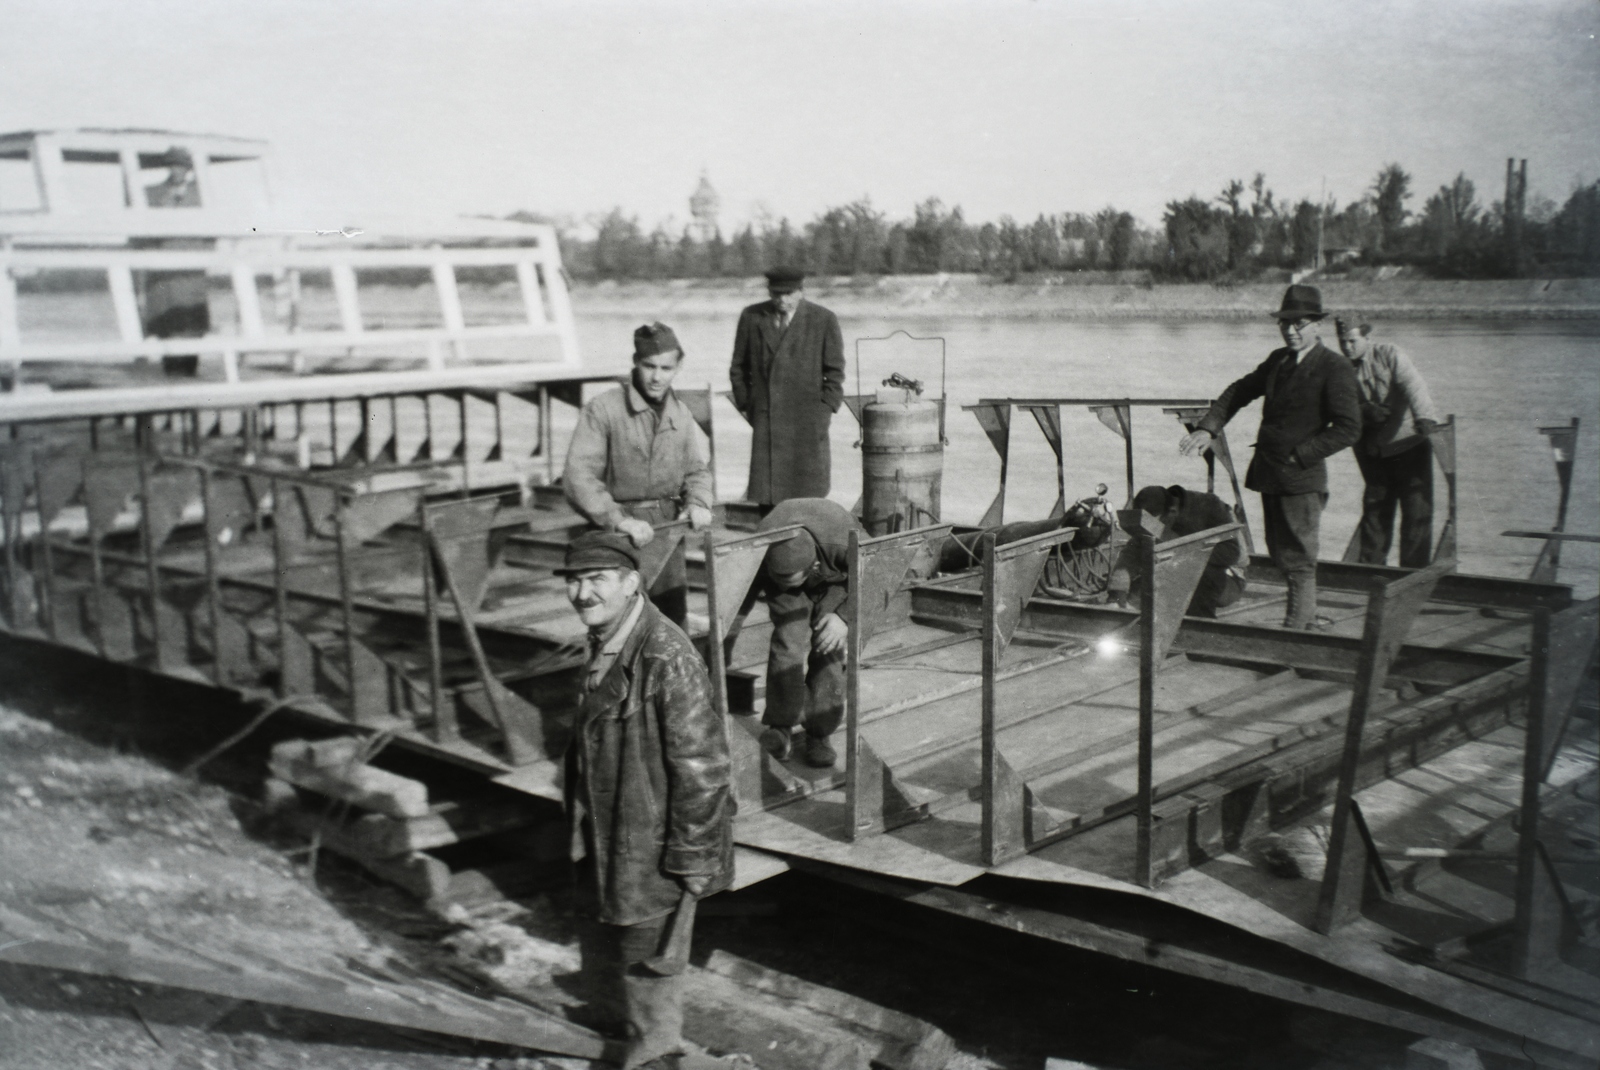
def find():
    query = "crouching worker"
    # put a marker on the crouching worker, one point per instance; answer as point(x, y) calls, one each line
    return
point(638, 458)
point(807, 598)
point(1185, 512)
point(647, 793)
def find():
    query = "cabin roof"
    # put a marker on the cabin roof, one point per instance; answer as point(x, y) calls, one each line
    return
point(105, 139)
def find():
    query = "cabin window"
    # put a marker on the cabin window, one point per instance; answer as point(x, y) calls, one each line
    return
point(92, 180)
point(237, 182)
point(62, 305)
point(490, 295)
point(19, 186)
point(168, 179)
point(398, 299)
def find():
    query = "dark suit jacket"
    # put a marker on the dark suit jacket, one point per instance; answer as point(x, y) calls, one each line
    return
point(788, 387)
point(1310, 411)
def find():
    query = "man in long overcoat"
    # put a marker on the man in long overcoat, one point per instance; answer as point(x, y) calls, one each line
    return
point(647, 790)
point(788, 381)
point(1311, 409)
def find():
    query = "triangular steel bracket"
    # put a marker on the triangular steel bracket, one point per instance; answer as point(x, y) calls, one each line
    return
point(875, 797)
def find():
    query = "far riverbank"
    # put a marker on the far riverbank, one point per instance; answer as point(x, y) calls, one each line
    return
point(1104, 297)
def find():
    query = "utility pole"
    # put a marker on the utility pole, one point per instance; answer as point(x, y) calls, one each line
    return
point(1322, 214)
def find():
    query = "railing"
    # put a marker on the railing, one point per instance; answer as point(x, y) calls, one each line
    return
point(994, 415)
point(354, 595)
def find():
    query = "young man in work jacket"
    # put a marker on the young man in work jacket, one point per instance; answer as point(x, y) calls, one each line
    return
point(788, 381)
point(808, 599)
point(1185, 512)
point(1311, 410)
point(1391, 386)
point(647, 792)
point(638, 458)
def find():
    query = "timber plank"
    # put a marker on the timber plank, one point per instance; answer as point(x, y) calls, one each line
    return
point(354, 996)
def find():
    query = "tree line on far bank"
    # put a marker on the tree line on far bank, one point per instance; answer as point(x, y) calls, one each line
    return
point(1241, 234)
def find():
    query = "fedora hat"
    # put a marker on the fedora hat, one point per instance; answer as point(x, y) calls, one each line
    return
point(1300, 303)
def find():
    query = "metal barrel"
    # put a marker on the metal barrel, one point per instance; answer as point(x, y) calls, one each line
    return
point(902, 463)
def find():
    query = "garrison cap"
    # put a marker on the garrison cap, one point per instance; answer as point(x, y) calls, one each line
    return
point(599, 549)
point(654, 339)
point(785, 280)
point(1350, 321)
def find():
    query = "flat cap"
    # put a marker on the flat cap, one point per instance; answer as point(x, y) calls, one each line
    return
point(599, 549)
point(785, 280)
point(653, 339)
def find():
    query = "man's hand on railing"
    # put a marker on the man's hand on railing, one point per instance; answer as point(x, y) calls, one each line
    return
point(1195, 441)
point(639, 531)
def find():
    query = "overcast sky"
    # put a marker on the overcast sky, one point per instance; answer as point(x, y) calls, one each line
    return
point(1004, 106)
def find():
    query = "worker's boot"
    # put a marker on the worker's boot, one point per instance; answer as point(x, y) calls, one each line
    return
point(1302, 611)
point(819, 752)
point(779, 742)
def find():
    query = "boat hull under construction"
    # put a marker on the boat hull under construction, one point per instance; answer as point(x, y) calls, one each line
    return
point(1130, 781)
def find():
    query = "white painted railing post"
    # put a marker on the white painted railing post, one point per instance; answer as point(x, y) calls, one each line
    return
point(10, 330)
point(120, 279)
point(344, 290)
point(444, 280)
point(248, 300)
point(47, 166)
point(131, 188)
point(532, 300)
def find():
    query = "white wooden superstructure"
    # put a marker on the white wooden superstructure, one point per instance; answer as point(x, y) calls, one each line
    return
point(257, 271)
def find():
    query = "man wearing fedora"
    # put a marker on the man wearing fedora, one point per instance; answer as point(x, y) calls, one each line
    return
point(788, 381)
point(638, 458)
point(1310, 410)
point(647, 793)
point(1400, 478)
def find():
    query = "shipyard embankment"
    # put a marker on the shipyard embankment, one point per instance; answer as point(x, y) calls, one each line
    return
point(1101, 295)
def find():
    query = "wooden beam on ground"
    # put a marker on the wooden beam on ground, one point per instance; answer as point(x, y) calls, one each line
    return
point(330, 768)
point(345, 995)
point(896, 1040)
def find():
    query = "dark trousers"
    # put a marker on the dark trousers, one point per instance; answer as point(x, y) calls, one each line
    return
point(1217, 589)
point(1293, 523)
point(650, 1008)
point(670, 592)
point(1404, 481)
point(803, 687)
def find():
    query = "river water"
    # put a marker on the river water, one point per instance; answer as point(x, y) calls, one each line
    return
point(1501, 380)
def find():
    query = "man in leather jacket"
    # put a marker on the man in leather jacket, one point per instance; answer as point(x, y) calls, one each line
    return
point(648, 792)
